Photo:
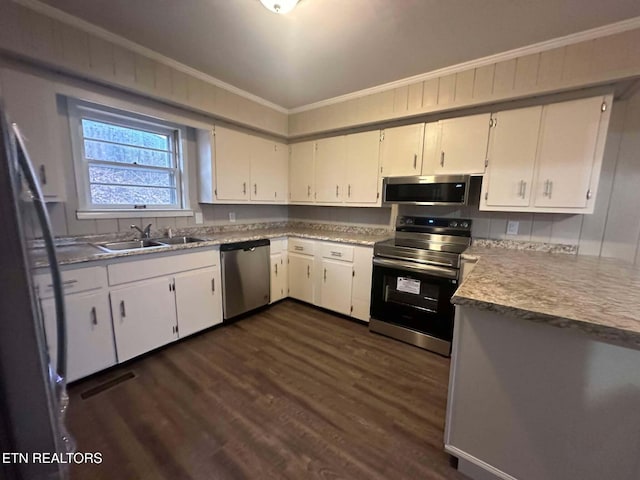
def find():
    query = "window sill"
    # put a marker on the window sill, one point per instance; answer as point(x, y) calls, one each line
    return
point(98, 214)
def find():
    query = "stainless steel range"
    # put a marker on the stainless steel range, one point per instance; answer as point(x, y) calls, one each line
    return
point(414, 276)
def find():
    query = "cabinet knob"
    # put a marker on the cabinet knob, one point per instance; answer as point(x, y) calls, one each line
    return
point(94, 316)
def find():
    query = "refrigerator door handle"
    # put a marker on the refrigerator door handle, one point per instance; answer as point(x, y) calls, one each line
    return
point(26, 166)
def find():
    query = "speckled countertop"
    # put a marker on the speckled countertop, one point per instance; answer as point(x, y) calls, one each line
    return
point(81, 249)
point(597, 296)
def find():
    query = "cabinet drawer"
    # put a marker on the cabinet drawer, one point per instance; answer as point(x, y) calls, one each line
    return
point(306, 247)
point(337, 251)
point(161, 266)
point(278, 245)
point(73, 281)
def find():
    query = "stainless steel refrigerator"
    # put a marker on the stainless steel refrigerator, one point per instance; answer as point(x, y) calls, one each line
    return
point(32, 394)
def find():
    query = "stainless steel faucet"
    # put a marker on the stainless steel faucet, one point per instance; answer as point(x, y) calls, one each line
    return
point(146, 233)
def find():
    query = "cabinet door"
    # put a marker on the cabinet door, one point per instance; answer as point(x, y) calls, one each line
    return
point(90, 345)
point(301, 172)
point(566, 152)
point(198, 300)
point(463, 145)
point(512, 156)
point(233, 163)
point(362, 271)
point(269, 171)
point(337, 278)
point(31, 103)
point(278, 276)
point(331, 154)
point(362, 180)
point(301, 277)
point(144, 317)
point(401, 150)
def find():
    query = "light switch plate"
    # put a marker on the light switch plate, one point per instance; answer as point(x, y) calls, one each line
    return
point(232, 216)
point(199, 219)
point(512, 227)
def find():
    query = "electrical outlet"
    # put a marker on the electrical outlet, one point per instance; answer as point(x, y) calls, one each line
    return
point(512, 227)
point(199, 219)
point(232, 216)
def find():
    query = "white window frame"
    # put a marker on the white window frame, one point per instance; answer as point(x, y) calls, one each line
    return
point(77, 110)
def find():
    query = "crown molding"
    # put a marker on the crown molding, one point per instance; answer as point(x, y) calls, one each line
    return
point(100, 32)
point(571, 39)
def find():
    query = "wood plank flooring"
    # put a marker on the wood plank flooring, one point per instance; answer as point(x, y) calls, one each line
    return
point(291, 392)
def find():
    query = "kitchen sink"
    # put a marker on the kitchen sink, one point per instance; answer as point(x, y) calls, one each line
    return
point(128, 245)
point(178, 240)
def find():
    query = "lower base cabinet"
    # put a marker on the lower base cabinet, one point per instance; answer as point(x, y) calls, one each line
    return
point(90, 345)
point(301, 277)
point(144, 317)
point(335, 290)
point(198, 300)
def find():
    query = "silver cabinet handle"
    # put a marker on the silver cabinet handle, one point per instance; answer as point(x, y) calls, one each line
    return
point(276, 269)
point(415, 160)
point(442, 159)
point(308, 190)
point(213, 284)
point(94, 316)
point(43, 174)
point(325, 274)
point(255, 188)
point(550, 188)
point(123, 312)
point(298, 248)
point(520, 189)
point(337, 190)
point(308, 271)
point(349, 191)
point(244, 188)
point(524, 189)
point(546, 188)
point(66, 283)
point(336, 254)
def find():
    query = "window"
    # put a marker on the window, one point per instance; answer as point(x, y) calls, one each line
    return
point(126, 162)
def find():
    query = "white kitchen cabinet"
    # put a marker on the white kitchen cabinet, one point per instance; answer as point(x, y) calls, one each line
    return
point(144, 316)
point(512, 155)
point(568, 153)
point(362, 171)
point(198, 296)
point(462, 146)
point(269, 171)
point(361, 290)
point(232, 160)
point(31, 103)
point(567, 145)
point(279, 272)
point(329, 167)
point(337, 278)
point(401, 150)
point(301, 172)
point(301, 279)
point(90, 346)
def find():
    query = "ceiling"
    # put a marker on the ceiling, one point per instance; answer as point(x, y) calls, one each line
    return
point(326, 48)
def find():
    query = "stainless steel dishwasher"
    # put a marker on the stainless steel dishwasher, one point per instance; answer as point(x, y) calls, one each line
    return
point(245, 276)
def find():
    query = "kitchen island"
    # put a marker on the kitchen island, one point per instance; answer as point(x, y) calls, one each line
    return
point(545, 373)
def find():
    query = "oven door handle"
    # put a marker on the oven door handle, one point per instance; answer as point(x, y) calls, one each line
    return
point(416, 267)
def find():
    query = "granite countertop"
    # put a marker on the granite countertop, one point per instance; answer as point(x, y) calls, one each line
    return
point(81, 250)
point(597, 296)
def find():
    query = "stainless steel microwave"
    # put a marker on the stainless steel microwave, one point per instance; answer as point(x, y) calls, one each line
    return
point(426, 190)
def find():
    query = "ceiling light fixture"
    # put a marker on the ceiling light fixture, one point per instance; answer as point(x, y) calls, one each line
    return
point(280, 6)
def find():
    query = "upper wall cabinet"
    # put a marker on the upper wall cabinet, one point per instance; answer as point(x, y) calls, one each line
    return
point(31, 103)
point(235, 167)
point(401, 150)
point(342, 170)
point(461, 146)
point(301, 172)
point(547, 159)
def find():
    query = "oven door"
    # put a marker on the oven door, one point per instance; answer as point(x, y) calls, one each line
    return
point(414, 296)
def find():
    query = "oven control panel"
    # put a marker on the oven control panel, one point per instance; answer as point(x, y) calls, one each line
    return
point(460, 226)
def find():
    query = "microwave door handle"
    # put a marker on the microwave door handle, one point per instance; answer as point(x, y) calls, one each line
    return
point(26, 166)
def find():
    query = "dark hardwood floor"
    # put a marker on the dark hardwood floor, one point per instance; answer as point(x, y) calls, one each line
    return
point(291, 392)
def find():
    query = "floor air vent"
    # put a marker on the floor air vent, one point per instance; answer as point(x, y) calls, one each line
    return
point(107, 385)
